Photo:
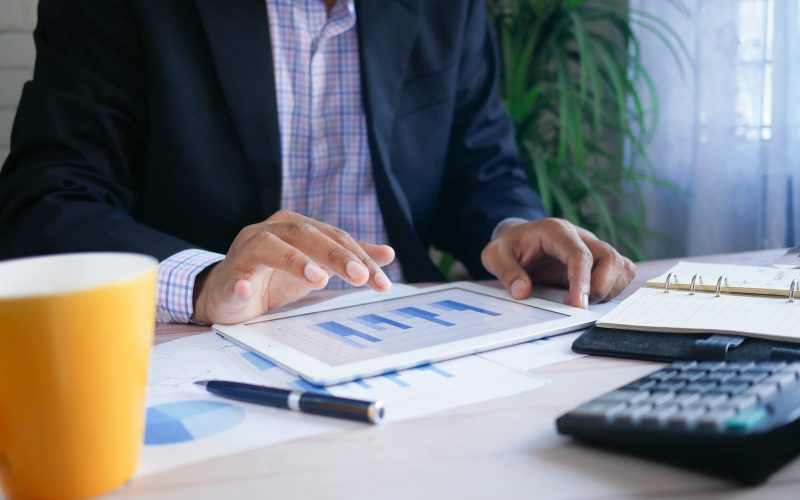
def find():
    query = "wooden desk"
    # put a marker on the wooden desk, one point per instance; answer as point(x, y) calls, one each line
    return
point(506, 448)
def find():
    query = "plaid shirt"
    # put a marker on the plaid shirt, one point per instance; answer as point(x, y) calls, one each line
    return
point(326, 167)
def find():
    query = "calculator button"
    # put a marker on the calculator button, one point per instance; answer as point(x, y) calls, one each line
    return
point(659, 414)
point(739, 365)
point(715, 418)
point(751, 377)
point(685, 417)
point(697, 405)
point(658, 398)
point(669, 385)
point(741, 402)
point(698, 387)
point(792, 368)
point(690, 375)
point(632, 413)
point(663, 374)
point(623, 396)
point(712, 400)
point(746, 420)
point(770, 366)
point(782, 379)
point(598, 409)
point(686, 399)
point(710, 365)
point(639, 385)
point(720, 376)
point(755, 368)
point(730, 388)
point(763, 391)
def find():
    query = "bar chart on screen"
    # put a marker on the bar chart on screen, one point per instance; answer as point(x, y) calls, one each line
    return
point(397, 325)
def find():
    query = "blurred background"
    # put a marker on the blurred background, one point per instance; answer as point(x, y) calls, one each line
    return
point(17, 20)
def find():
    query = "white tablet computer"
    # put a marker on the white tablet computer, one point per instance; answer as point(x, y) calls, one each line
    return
point(372, 334)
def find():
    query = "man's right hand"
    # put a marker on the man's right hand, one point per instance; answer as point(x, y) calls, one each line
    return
point(280, 260)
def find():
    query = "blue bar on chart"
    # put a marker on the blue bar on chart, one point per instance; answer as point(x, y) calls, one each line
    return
point(435, 369)
point(307, 386)
point(259, 362)
point(395, 377)
point(416, 312)
point(376, 321)
point(360, 382)
point(459, 306)
point(345, 331)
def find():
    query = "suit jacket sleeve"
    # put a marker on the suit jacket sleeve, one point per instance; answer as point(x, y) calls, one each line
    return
point(483, 182)
point(70, 181)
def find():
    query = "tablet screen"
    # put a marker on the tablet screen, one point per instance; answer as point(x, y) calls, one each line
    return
point(364, 332)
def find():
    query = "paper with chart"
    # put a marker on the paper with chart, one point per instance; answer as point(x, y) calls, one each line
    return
point(186, 424)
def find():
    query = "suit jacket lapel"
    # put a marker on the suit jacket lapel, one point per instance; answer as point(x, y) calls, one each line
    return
point(239, 41)
point(387, 30)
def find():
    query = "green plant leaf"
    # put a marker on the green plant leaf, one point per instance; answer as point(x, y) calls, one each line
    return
point(575, 88)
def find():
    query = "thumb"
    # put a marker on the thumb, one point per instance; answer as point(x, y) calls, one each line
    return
point(499, 260)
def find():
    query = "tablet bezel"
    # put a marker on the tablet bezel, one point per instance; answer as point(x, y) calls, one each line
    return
point(320, 373)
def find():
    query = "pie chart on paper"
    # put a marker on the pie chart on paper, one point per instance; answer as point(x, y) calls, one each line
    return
point(183, 421)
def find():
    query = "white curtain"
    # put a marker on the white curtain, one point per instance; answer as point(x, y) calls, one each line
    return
point(728, 135)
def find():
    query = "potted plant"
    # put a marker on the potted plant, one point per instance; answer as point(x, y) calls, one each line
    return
point(584, 107)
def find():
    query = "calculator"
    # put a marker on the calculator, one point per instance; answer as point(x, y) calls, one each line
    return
point(739, 420)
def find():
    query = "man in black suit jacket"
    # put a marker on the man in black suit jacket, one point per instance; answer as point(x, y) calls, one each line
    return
point(152, 127)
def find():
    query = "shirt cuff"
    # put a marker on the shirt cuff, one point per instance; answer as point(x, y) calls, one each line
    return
point(176, 275)
point(510, 219)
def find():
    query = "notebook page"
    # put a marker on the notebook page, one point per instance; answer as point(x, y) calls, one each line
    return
point(652, 309)
point(740, 279)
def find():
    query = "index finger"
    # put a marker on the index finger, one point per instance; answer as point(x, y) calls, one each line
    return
point(377, 278)
point(567, 246)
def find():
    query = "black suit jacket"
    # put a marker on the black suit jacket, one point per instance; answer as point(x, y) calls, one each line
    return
point(151, 126)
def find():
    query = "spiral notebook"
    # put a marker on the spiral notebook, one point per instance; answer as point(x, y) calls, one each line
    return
point(715, 298)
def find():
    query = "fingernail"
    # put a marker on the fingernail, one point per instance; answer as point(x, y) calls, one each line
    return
point(518, 288)
point(382, 280)
point(585, 301)
point(357, 271)
point(313, 273)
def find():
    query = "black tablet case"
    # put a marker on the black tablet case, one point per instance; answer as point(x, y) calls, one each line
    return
point(666, 347)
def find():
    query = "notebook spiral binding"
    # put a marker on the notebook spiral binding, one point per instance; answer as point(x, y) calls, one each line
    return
point(722, 280)
point(667, 282)
point(695, 279)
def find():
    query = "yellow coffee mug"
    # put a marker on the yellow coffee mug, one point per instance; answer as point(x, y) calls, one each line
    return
point(75, 337)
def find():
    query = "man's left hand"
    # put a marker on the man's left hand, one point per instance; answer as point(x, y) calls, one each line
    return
point(555, 252)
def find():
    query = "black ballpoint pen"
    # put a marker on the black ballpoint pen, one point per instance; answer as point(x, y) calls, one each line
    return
point(307, 402)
